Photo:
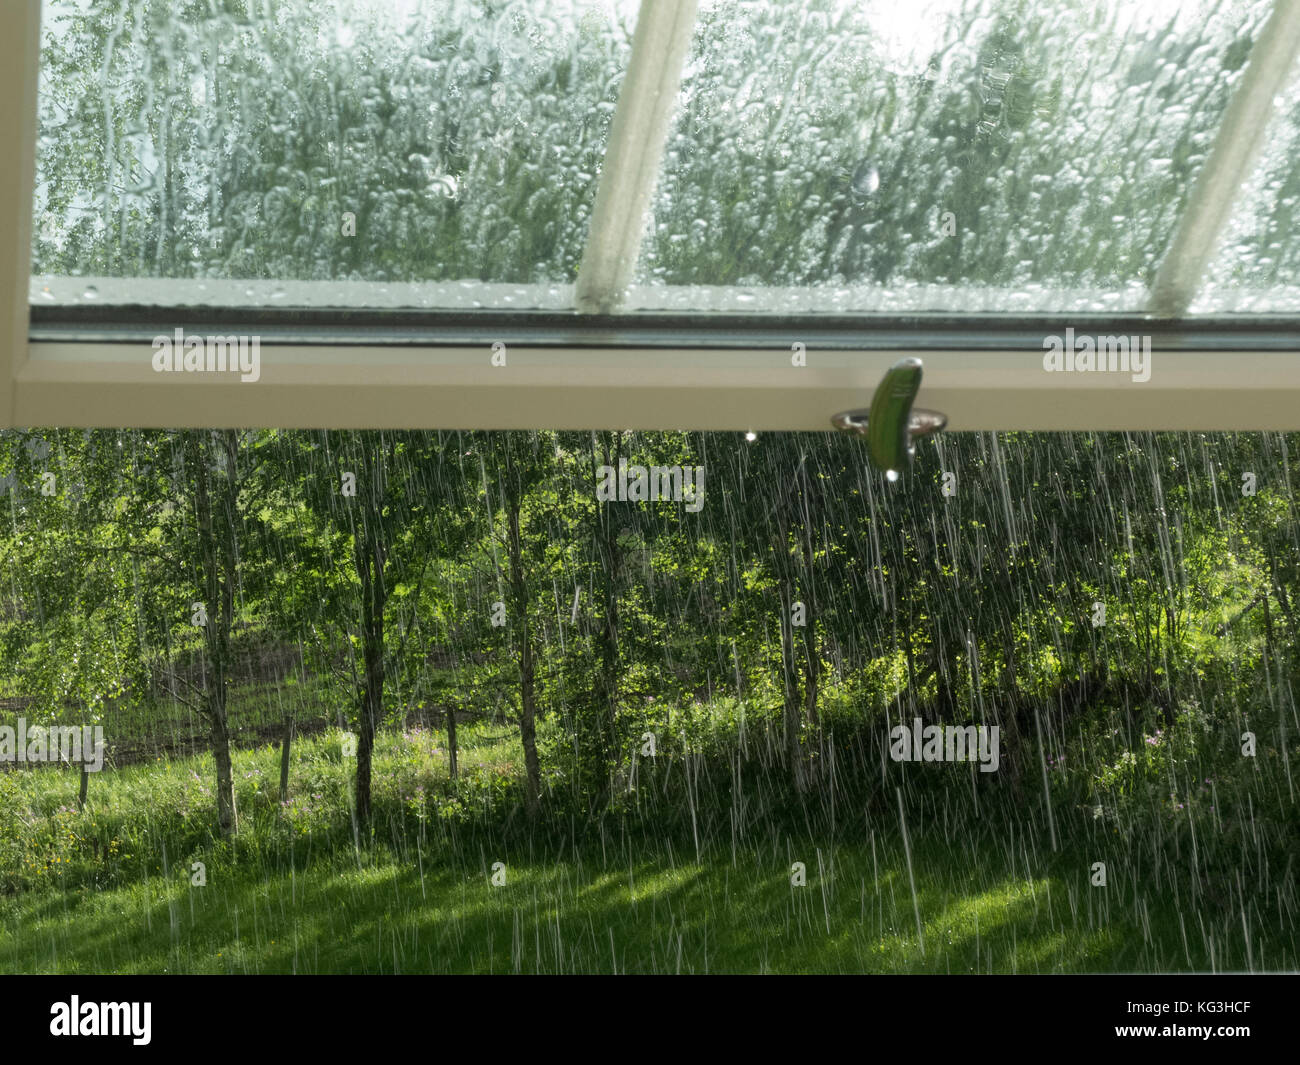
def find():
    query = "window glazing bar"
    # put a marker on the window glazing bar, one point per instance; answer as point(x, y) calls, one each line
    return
point(20, 50)
point(1272, 60)
point(636, 142)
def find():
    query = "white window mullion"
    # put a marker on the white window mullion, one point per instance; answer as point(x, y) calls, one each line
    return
point(1240, 135)
point(20, 50)
point(634, 152)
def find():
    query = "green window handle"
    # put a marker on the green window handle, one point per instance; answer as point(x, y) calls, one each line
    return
point(890, 425)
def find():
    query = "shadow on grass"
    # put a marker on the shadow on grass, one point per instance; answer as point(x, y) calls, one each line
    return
point(641, 907)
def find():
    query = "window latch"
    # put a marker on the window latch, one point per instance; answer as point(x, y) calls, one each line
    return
point(890, 425)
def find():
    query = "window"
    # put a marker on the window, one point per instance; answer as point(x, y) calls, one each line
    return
point(718, 654)
point(723, 215)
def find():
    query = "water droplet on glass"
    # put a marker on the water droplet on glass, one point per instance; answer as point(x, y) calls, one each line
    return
point(91, 293)
point(866, 180)
point(891, 475)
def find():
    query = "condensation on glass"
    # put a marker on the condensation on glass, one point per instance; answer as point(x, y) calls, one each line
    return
point(827, 155)
point(389, 141)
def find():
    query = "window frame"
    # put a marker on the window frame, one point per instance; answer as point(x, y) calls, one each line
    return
point(92, 366)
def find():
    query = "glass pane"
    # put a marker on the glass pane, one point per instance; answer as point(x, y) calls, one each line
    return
point(956, 156)
point(1257, 267)
point(450, 145)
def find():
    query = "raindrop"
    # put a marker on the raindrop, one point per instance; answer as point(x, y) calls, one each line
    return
point(866, 180)
point(445, 185)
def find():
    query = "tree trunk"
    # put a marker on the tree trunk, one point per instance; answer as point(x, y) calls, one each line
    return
point(811, 656)
point(284, 759)
point(812, 675)
point(913, 682)
point(369, 552)
point(790, 688)
point(225, 777)
point(451, 742)
point(372, 698)
point(789, 668)
point(519, 608)
point(217, 554)
point(607, 678)
point(370, 567)
point(228, 553)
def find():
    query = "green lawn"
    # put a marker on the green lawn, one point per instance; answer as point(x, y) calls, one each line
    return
point(664, 913)
point(660, 911)
point(295, 895)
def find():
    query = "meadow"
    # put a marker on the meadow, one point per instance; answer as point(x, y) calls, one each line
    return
point(697, 870)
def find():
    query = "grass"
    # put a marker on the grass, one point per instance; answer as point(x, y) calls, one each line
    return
point(109, 889)
point(659, 912)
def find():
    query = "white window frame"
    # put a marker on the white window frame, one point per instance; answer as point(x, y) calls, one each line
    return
point(617, 384)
